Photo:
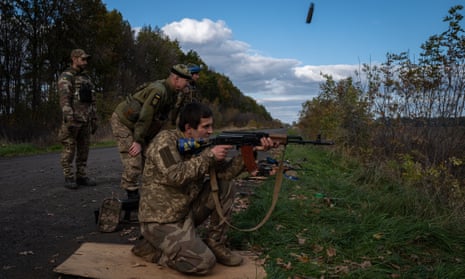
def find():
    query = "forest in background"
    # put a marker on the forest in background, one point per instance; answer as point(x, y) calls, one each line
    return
point(37, 38)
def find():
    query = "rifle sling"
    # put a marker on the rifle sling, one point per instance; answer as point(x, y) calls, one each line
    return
point(219, 210)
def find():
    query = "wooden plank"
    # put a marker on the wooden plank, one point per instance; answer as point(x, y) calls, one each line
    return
point(116, 261)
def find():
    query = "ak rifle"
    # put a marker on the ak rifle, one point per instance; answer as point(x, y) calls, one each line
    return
point(245, 140)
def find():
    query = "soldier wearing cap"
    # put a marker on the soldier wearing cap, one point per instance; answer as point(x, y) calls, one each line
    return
point(140, 117)
point(189, 94)
point(77, 101)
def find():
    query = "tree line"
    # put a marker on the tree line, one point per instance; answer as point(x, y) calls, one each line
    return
point(406, 115)
point(37, 38)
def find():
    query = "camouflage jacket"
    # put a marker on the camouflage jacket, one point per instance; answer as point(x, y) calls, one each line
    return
point(185, 96)
point(171, 181)
point(148, 110)
point(77, 96)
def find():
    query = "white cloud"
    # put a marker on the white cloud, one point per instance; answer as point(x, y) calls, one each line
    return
point(279, 84)
point(191, 31)
point(314, 72)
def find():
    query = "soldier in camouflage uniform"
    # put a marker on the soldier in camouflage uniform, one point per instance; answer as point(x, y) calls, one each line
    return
point(189, 94)
point(140, 117)
point(77, 100)
point(176, 197)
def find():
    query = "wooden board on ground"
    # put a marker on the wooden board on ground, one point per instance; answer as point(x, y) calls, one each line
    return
point(116, 261)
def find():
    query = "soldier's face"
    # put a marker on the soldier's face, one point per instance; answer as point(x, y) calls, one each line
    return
point(181, 83)
point(205, 128)
point(80, 62)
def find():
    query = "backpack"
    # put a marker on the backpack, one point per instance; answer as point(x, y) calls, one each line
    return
point(109, 215)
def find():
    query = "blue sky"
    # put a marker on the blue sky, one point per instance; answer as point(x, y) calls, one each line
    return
point(273, 56)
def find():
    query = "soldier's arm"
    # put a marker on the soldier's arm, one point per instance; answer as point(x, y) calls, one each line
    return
point(146, 114)
point(65, 89)
point(170, 165)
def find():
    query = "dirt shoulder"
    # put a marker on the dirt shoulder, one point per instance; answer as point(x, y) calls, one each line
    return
point(41, 222)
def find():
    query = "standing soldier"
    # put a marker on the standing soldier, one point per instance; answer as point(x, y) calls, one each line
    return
point(140, 117)
point(77, 101)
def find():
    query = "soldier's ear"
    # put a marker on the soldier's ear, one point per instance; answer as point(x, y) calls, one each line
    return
point(188, 130)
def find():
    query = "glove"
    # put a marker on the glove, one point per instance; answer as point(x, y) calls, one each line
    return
point(68, 116)
point(93, 126)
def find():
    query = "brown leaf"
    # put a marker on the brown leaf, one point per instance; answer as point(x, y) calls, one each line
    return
point(342, 269)
point(365, 264)
point(317, 248)
point(301, 240)
point(331, 252)
point(378, 236)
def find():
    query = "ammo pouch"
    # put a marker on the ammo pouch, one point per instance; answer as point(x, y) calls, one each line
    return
point(132, 109)
point(85, 93)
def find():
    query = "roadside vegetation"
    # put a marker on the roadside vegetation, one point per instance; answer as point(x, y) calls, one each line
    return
point(342, 220)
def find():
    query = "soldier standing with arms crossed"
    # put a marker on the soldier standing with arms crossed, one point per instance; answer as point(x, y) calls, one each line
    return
point(77, 101)
point(139, 118)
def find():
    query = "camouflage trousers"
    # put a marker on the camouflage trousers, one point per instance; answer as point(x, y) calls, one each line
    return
point(75, 140)
point(132, 165)
point(178, 245)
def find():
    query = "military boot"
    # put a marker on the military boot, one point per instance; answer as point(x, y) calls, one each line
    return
point(133, 195)
point(70, 184)
point(222, 253)
point(146, 251)
point(85, 181)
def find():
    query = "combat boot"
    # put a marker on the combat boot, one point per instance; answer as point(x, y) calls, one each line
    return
point(223, 255)
point(133, 195)
point(70, 184)
point(85, 181)
point(146, 251)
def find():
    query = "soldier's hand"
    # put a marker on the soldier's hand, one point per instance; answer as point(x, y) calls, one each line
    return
point(135, 149)
point(266, 144)
point(68, 116)
point(221, 151)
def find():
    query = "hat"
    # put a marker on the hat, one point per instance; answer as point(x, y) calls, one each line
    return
point(193, 68)
point(79, 53)
point(182, 71)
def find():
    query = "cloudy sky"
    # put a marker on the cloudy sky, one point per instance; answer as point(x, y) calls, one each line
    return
point(273, 56)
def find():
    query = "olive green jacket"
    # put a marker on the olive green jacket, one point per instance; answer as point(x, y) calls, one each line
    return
point(147, 110)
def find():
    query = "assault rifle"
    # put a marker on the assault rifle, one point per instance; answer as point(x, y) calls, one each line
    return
point(245, 141)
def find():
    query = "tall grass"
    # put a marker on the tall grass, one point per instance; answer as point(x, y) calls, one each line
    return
point(50, 143)
point(339, 220)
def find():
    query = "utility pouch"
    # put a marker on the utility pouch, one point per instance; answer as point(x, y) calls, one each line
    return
point(109, 215)
point(132, 109)
point(85, 93)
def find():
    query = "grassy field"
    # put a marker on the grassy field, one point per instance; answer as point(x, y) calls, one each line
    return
point(21, 149)
point(338, 220)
